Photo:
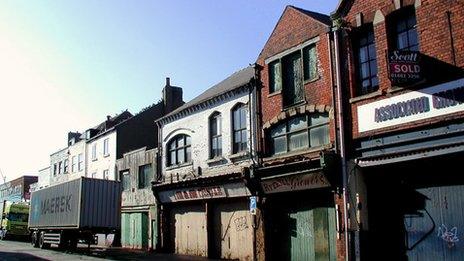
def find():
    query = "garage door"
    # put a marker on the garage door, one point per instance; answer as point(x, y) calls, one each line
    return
point(188, 230)
point(437, 231)
point(233, 232)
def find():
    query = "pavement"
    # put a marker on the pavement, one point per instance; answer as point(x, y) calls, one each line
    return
point(16, 251)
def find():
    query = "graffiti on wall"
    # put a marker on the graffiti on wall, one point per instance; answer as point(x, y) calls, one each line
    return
point(450, 236)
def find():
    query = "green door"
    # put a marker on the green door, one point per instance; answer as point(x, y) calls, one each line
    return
point(125, 229)
point(301, 230)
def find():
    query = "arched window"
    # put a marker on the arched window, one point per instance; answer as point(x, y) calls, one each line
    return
point(215, 135)
point(179, 150)
point(301, 132)
point(239, 128)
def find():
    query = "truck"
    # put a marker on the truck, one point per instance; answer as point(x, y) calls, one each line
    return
point(14, 217)
point(74, 211)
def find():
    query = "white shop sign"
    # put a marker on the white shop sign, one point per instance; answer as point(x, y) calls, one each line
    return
point(422, 104)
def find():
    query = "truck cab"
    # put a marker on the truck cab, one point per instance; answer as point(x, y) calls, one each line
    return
point(14, 219)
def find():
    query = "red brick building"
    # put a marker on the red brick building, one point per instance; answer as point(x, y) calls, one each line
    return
point(402, 65)
point(301, 206)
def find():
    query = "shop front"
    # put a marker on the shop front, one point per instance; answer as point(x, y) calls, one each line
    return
point(299, 212)
point(207, 217)
point(411, 174)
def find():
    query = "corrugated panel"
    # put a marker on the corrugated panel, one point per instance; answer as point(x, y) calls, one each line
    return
point(125, 230)
point(45, 212)
point(101, 200)
point(438, 236)
point(188, 230)
point(233, 231)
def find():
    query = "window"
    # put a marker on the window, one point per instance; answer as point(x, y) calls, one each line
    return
point(300, 132)
point(105, 174)
point(55, 169)
point(180, 150)
point(60, 167)
point(403, 29)
point(215, 132)
point(106, 144)
point(66, 166)
point(80, 162)
point(310, 62)
point(289, 73)
point(125, 179)
point(145, 176)
point(366, 61)
point(94, 151)
point(275, 78)
point(94, 175)
point(239, 128)
point(73, 164)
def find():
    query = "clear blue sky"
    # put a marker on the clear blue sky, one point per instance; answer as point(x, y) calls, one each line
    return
point(65, 65)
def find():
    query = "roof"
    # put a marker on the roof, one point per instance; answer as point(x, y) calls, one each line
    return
point(325, 19)
point(232, 82)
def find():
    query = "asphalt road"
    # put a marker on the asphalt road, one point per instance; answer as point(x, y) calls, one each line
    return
point(15, 251)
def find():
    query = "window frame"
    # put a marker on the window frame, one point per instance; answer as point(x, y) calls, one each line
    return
point(306, 129)
point(94, 151)
point(106, 174)
point(106, 147)
point(142, 182)
point(243, 146)
point(402, 15)
point(304, 66)
point(80, 162)
point(66, 166)
point(73, 163)
point(178, 148)
point(122, 175)
point(215, 138)
point(363, 33)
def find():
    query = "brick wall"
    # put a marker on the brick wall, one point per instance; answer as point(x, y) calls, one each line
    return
point(434, 41)
point(294, 28)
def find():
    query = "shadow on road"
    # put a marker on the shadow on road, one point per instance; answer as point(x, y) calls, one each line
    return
point(18, 256)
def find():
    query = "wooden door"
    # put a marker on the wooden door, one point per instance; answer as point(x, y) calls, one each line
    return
point(232, 231)
point(188, 230)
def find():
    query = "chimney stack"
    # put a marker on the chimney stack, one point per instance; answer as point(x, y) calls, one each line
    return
point(172, 96)
point(168, 81)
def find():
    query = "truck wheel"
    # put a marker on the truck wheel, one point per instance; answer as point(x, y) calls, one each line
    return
point(42, 243)
point(34, 241)
point(73, 244)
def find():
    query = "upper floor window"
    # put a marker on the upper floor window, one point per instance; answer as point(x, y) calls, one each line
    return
point(239, 128)
point(125, 180)
point(366, 61)
point(289, 73)
point(300, 132)
point(145, 176)
point(179, 150)
point(55, 169)
point(106, 147)
point(60, 167)
point(215, 132)
point(80, 162)
point(403, 27)
point(73, 164)
point(94, 151)
point(106, 174)
point(66, 166)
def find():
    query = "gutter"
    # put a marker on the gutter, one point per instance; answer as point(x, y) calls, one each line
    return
point(341, 130)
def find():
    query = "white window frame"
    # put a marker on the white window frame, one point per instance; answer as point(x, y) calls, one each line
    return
point(80, 162)
point(106, 147)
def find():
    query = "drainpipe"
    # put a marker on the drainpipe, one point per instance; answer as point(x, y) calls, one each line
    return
point(341, 131)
